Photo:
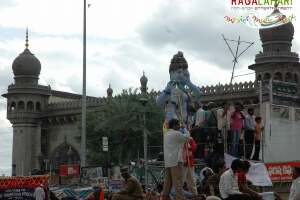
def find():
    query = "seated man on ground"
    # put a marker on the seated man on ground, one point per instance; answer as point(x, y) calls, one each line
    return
point(229, 188)
point(242, 181)
point(132, 190)
point(211, 188)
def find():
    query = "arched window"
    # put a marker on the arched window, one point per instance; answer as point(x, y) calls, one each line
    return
point(21, 105)
point(278, 76)
point(38, 106)
point(255, 101)
point(289, 77)
point(30, 106)
point(64, 154)
point(246, 102)
point(296, 78)
point(259, 77)
point(12, 106)
point(267, 76)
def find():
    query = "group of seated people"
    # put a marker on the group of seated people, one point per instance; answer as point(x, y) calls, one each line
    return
point(218, 183)
point(229, 184)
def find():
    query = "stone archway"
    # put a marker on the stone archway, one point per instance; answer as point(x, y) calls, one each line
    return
point(289, 77)
point(64, 154)
point(296, 78)
point(278, 76)
point(267, 76)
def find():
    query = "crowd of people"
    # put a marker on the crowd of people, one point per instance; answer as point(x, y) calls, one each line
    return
point(232, 129)
point(218, 182)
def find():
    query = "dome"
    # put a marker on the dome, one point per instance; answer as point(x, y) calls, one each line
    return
point(280, 29)
point(109, 91)
point(283, 32)
point(143, 80)
point(26, 64)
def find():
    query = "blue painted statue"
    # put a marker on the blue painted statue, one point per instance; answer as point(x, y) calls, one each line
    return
point(179, 93)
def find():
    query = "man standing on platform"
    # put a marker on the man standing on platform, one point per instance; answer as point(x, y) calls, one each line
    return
point(249, 132)
point(174, 141)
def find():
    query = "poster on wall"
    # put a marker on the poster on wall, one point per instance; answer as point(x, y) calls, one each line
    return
point(69, 170)
point(281, 172)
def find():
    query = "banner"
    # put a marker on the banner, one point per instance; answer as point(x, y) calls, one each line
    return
point(281, 171)
point(17, 194)
point(22, 182)
point(69, 170)
point(115, 185)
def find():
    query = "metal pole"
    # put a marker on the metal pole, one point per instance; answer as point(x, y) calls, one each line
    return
point(235, 59)
point(261, 114)
point(83, 114)
point(145, 150)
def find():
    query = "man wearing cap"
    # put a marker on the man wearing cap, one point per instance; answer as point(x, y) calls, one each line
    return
point(132, 190)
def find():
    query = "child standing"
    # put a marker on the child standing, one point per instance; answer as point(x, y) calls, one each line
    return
point(258, 134)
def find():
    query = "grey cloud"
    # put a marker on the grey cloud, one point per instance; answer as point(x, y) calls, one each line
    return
point(198, 32)
point(6, 78)
point(8, 33)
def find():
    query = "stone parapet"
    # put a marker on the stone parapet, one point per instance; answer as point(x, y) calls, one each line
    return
point(23, 117)
point(228, 88)
point(74, 104)
point(276, 57)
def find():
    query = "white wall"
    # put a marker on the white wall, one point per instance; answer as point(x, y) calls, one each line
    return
point(282, 134)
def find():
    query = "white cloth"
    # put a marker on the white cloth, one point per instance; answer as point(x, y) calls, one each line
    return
point(230, 111)
point(258, 173)
point(221, 119)
point(228, 184)
point(173, 146)
point(268, 196)
point(295, 190)
point(39, 193)
point(200, 117)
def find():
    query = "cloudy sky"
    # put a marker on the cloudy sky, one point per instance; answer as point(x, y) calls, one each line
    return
point(123, 39)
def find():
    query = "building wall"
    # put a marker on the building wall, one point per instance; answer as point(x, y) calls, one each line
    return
point(60, 133)
point(26, 148)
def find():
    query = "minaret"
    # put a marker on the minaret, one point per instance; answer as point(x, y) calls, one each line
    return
point(277, 61)
point(26, 101)
point(144, 81)
point(109, 92)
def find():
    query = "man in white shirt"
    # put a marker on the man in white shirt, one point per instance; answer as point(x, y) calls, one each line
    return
point(200, 117)
point(229, 188)
point(174, 141)
point(39, 193)
point(295, 188)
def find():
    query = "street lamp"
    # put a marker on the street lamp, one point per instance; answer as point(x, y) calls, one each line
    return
point(144, 101)
point(83, 106)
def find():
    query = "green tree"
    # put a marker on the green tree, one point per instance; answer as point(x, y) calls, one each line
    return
point(121, 120)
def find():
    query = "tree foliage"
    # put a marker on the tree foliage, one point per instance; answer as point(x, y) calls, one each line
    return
point(121, 120)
